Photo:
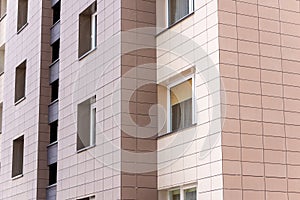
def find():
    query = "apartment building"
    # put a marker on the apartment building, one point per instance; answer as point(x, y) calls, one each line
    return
point(149, 99)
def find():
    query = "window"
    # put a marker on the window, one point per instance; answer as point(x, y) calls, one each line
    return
point(2, 59)
point(52, 174)
point(22, 13)
point(86, 124)
point(18, 154)
point(53, 132)
point(55, 51)
point(56, 12)
point(88, 30)
point(178, 9)
point(20, 82)
point(54, 90)
point(175, 195)
point(3, 7)
point(190, 194)
point(183, 194)
point(181, 105)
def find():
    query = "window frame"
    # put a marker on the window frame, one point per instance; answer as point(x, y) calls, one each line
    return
point(24, 65)
point(191, 10)
point(92, 124)
point(94, 31)
point(182, 190)
point(23, 157)
point(19, 29)
point(169, 110)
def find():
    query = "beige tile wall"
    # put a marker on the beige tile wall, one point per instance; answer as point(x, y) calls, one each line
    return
point(259, 60)
point(95, 171)
point(192, 157)
point(21, 119)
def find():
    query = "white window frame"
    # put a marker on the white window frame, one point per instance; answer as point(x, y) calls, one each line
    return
point(182, 189)
point(94, 30)
point(191, 10)
point(169, 115)
point(92, 124)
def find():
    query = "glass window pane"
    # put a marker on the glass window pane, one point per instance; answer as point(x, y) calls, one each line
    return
point(175, 195)
point(181, 105)
point(177, 10)
point(190, 194)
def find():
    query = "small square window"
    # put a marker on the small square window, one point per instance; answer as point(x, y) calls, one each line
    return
point(181, 105)
point(18, 156)
point(190, 194)
point(88, 30)
point(86, 124)
point(20, 82)
point(52, 174)
point(22, 13)
point(175, 195)
point(178, 9)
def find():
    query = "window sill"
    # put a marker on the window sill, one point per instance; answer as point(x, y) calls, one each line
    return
point(86, 148)
point(54, 62)
point(52, 144)
point(53, 102)
point(22, 28)
point(53, 25)
point(178, 131)
point(174, 24)
point(17, 177)
point(20, 100)
point(51, 186)
point(87, 53)
point(2, 17)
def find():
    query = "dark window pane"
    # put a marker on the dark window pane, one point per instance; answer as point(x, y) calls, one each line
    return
point(54, 90)
point(55, 51)
point(56, 12)
point(53, 132)
point(18, 155)
point(52, 174)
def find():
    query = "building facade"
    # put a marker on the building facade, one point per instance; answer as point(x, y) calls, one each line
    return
point(150, 99)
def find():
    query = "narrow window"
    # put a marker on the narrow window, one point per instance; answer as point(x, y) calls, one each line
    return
point(55, 51)
point(53, 131)
point(87, 30)
point(22, 13)
point(174, 195)
point(181, 105)
point(3, 7)
point(56, 12)
point(18, 154)
point(87, 198)
point(54, 90)
point(178, 9)
point(52, 174)
point(20, 82)
point(190, 194)
point(2, 59)
point(86, 124)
